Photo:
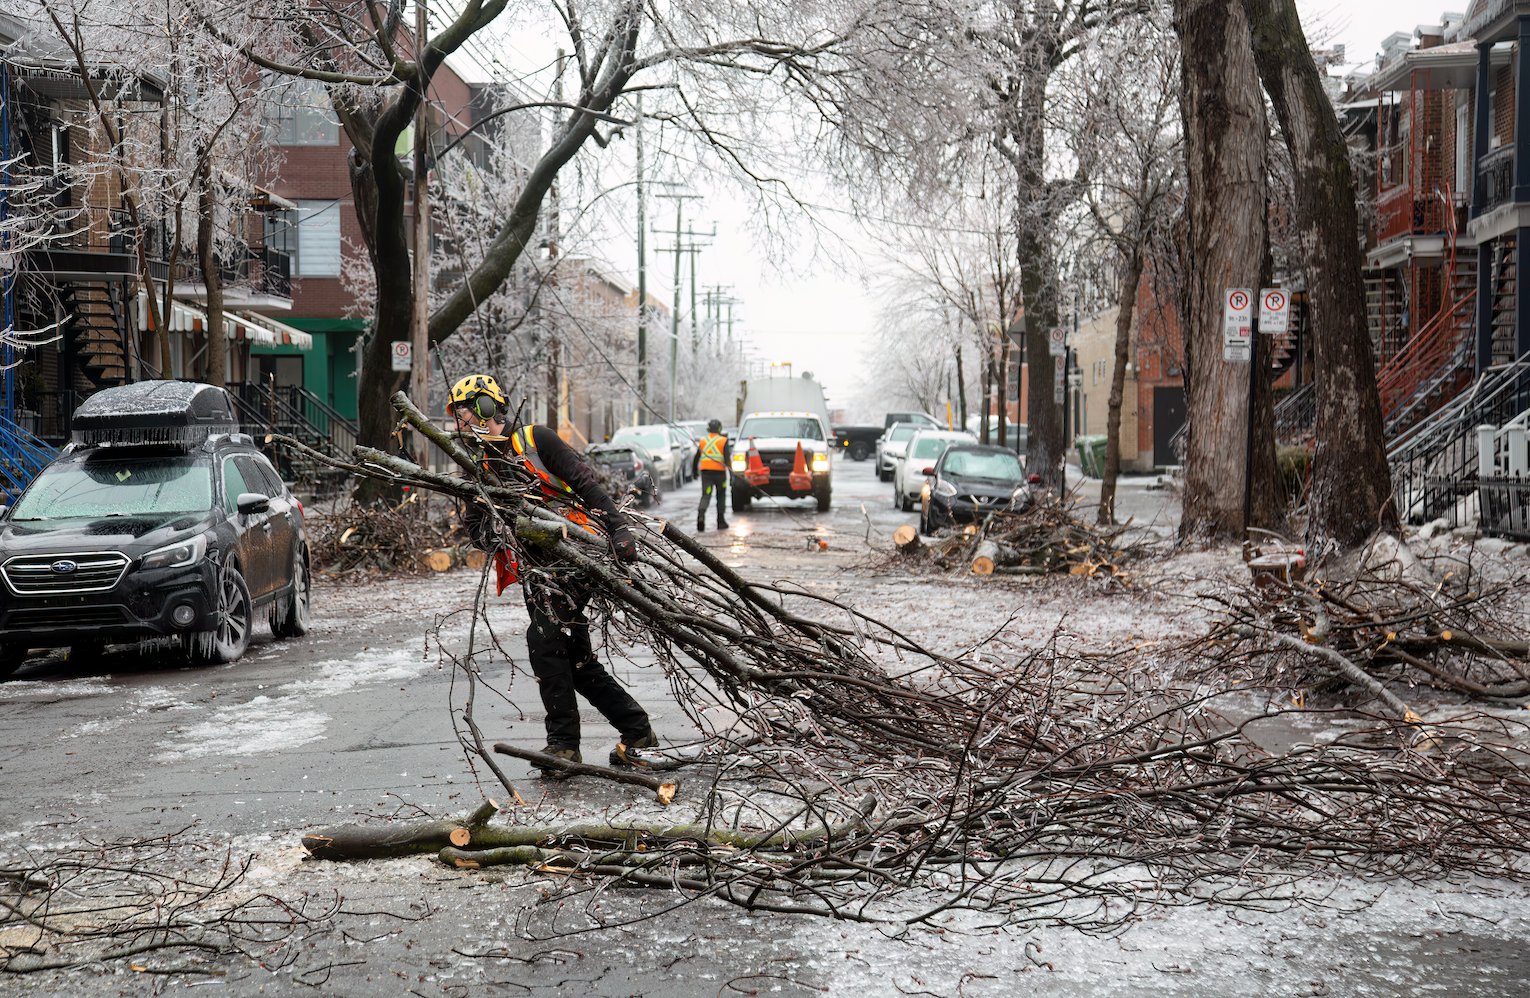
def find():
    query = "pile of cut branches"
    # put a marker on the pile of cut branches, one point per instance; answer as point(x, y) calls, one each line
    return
point(858, 773)
point(1045, 537)
point(413, 537)
point(1374, 628)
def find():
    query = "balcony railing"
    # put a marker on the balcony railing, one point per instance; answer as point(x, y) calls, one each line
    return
point(262, 268)
point(1495, 174)
point(1400, 213)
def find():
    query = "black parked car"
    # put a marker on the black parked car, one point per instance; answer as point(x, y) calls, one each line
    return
point(969, 482)
point(160, 520)
point(628, 468)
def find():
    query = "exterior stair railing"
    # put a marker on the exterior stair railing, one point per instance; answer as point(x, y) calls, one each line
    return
point(22, 457)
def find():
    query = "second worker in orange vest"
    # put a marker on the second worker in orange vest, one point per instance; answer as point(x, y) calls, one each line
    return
point(710, 464)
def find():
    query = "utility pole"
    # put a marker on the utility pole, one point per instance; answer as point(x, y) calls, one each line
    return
point(694, 250)
point(419, 350)
point(674, 317)
point(642, 268)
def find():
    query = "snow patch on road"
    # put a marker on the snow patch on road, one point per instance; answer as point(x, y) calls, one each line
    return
point(287, 718)
point(69, 689)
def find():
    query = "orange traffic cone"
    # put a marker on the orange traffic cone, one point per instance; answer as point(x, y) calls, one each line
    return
point(756, 473)
point(800, 480)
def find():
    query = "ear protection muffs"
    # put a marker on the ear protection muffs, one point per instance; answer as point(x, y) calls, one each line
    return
point(486, 407)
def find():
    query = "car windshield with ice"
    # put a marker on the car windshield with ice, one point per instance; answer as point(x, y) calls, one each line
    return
point(782, 426)
point(988, 466)
point(119, 485)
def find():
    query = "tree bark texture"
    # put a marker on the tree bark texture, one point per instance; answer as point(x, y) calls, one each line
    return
point(1223, 247)
point(1351, 482)
point(1124, 315)
point(215, 371)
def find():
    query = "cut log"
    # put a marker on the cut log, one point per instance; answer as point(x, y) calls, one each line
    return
point(475, 559)
point(985, 559)
point(664, 790)
point(906, 539)
point(400, 839)
point(438, 560)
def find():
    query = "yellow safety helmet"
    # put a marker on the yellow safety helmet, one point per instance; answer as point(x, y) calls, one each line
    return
point(471, 390)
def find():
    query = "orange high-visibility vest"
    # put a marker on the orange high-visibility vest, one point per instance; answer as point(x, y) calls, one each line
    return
point(712, 446)
point(553, 487)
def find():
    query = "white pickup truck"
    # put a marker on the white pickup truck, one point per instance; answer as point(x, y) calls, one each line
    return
point(776, 436)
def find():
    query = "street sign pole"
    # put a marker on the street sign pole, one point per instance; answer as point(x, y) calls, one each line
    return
point(1248, 443)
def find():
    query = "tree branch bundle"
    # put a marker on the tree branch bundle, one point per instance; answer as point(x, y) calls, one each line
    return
point(1020, 780)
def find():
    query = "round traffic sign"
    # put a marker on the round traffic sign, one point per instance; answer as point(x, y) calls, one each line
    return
point(401, 348)
point(1275, 301)
point(1238, 300)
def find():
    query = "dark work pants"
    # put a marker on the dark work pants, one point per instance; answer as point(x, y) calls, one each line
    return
point(564, 662)
point(713, 481)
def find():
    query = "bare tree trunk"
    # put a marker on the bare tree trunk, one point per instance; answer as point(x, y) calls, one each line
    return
point(1224, 245)
point(1045, 449)
point(1351, 484)
point(1124, 315)
point(215, 372)
point(1003, 375)
point(987, 390)
point(961, 386)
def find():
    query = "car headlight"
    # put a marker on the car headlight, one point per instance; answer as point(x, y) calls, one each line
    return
point(820, 461)
point(945, 489)
point(739, 462)
point(177, 555)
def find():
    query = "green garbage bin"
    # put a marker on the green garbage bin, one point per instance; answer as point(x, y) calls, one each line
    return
point(1091, 455)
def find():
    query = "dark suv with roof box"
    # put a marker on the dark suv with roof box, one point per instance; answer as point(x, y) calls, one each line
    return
point(159, 520)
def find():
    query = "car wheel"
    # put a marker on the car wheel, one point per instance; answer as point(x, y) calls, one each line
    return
point(230, 635)
point(740, 500)
point(289, 617)
point(906, 504)
point(859, 451)
point(822, 495)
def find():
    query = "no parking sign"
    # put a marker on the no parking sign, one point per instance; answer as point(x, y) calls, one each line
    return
point(1238, 324)
point(1274, 310)
point(403, 353)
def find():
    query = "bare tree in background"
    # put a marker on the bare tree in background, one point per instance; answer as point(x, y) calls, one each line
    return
point(1131, 136)
point(186, 179)
point(376, 81)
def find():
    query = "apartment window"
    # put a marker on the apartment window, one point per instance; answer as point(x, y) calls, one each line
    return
point(301, 114)
point(312, 237)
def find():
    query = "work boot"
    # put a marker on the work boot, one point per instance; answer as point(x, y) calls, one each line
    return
point(701, 526)
point(722, 524)
point(564, 752)
point(628, 751)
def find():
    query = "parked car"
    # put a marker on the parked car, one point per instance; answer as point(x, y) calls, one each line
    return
point(160, 520)
point(970, 482)
point(890, 447)
point(860, 442)
point(692, 430)
point(776, 437)
point(919, 419)
point(665, 444)
point(924, 449)
point(628, 468)
point(1017, 434)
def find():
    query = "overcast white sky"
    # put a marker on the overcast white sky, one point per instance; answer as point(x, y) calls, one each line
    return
point(822, 321)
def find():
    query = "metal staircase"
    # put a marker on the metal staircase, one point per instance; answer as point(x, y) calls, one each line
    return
point(1434, 463)
point(295, 412)
point(95, 326)
point(22, 456)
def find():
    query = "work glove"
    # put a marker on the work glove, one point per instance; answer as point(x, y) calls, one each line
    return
point(625, 544)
